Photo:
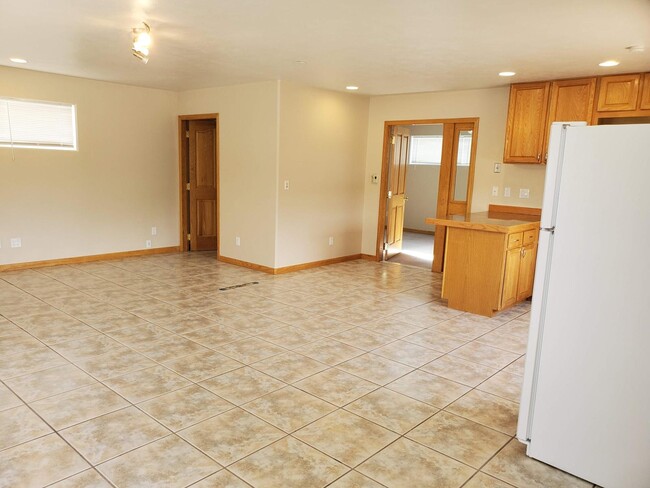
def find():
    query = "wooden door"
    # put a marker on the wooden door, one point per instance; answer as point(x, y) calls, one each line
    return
point(526, 123)
point(397, 190)
point(511, 277)
point(202, 136)
point(571, 100)
point(618, 93)
point(526, 271)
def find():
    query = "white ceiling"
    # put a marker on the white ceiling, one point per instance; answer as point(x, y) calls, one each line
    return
point(382, 46)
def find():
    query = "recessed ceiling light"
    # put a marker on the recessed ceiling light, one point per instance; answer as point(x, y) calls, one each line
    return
point(351, 87)
point(18, 60)
point(507, 73)
point(609, 64)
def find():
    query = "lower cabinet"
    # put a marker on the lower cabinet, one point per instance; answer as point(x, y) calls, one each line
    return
point(519, 271)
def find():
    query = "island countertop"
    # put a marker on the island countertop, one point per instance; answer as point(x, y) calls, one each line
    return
point(504, 223)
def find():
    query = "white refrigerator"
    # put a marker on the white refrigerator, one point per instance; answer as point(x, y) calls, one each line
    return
point(585, 405)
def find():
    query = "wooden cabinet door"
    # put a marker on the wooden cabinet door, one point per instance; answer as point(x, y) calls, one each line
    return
point(526, 271)
point(511, 277)
point(618, 93)
point(526, 124)
point(571, 100)
point(644, 104)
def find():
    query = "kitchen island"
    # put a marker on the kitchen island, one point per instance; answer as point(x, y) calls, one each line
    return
point(489, 262)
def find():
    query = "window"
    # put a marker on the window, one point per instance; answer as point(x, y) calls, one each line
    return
point(39, 125)
point(464, 148)
point(426, 150)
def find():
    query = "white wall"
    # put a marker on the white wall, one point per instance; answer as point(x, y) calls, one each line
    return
point(106, 196)
point(322, 154)
point(248, 163)
point(490, 105)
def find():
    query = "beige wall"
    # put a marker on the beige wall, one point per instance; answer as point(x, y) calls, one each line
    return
point(322, 154)
point(490, 105)
point(106, 196)
point(248, 158)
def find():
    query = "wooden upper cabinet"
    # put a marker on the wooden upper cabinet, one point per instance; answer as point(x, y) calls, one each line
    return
point(572, 100)
point(526, 125)
point(618, 93)
point(644, 104)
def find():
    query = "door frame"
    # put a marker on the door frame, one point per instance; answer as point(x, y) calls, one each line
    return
point(183, 164)
point(383, 182)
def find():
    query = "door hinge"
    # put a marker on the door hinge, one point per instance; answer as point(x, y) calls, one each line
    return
point(189, 237)
point(392, 141)
point(187, 186)
point(384, 246)
point(187, 134)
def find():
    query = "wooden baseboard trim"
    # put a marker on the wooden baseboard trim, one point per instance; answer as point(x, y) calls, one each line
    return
point(536, 212)
point(369, 257)
point(316, 264)
point(246, 264)
point(418, 231)
point(88, 259)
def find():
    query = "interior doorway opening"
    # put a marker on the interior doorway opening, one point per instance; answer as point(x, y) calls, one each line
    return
point(199, 182)
point(427, 171)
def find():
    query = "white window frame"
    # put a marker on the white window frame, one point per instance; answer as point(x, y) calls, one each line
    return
point(424, 163)
point(36, 145)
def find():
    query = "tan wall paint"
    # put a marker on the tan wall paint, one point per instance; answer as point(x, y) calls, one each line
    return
point(322, 154)
point(106, 196)
point(490, 105)
point(248, 135)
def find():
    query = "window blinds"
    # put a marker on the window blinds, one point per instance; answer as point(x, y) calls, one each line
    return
point(32, 124)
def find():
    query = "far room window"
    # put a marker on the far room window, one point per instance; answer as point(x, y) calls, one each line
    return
point(464, 149)
point(37, 125)
point(426, 150)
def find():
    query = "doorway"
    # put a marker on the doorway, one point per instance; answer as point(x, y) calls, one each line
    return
point(199, 182)
point(427, 171)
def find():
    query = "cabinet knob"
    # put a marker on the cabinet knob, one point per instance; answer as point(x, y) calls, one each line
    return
point(539, 156)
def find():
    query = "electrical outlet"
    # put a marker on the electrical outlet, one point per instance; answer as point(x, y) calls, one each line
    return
point(147, 244)
point(495, 191)
point(154, 231)
point(374, 179)
point(237, 241)
point(506, 191)
point(286, 184)
point(16, 242)
point(331, 241)
point(524, 193)
point(497, 167)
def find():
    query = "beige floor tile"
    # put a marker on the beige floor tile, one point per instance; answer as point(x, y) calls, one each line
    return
point(482, 480)
point(135, 336)
point(216, 336)
point(88, 346)
point(169, 348)
point(459, 370)
point(516, 367)
point(346, 437)
point(250, 350)
point(8, 399)
point(435, 340)
point(204, 365)
point(22, 363)
point(231, 436)
point(489, 410)
point(503, 384)
point(242, 385)
point(429, 388)
point(289, 408)
point(39, 463)
point(459, 438)
point(222, 479)
point(336, 386)
point(355, 480)
point(392, 410)
point(406, 464)
point(20, 424)
point(114, 363)
point(392, 327)
point(362, 338)
point(330, 352)
point(484, 354)
point(325, 326)
point(86, 479)
point(185, 407)
point(165, 463)
point(251, 323)
point(53, 334)
point(79, 405)
point(407, 353)
point(43, 384)
point(144, 384)
point(510, 342)
point(375, 368)
point(110, 435)
point(289, 367)
point(289, 337)
point(184, 323)
point(288, 463)
point(513, 466)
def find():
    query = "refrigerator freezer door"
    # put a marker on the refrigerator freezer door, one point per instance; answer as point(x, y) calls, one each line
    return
point(592, 395)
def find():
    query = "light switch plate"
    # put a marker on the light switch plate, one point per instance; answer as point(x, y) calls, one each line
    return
point(506, 191)
point(524, 193)
point(237, 241)
point(495, 191)
point(16, 242)
point(497, 167)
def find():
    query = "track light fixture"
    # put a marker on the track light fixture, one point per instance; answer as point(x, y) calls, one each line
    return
point(141, 42)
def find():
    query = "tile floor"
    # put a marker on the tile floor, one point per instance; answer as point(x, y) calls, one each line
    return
point(149, 372)
point(417, 250)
